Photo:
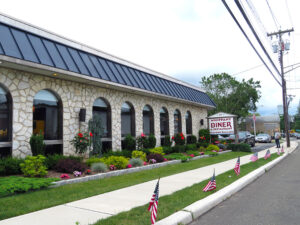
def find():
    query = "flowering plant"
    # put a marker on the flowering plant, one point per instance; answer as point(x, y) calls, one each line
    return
point(179, 139)
point(64, 176)
point(77, 173)
point(88, 171)
point(201, 153)
point(165, 159)
point(112, 167)
point(129, 166)
point(152, 161)
point(145, 163)
point(82, 141)
point(192, 155)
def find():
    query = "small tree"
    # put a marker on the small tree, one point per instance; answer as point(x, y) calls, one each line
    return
point(95, 126)
point(37, 144)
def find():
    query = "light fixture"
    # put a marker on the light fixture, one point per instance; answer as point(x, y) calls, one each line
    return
point(0, 62)
point(54, 74)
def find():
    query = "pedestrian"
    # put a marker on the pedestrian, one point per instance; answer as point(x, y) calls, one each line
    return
point(277, 137)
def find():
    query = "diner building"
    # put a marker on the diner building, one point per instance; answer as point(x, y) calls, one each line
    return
point(54, 85)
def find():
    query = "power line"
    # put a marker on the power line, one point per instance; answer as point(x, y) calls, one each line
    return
point(273, 16)
point(238, 24)
point(252, 68)
point(289, 13)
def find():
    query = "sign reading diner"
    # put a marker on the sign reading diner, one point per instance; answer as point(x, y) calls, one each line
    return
point(221, 125)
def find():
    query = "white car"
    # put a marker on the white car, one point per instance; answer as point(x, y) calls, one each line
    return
point(263, 138)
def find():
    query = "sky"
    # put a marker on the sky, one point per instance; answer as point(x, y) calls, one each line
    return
point(186, 39)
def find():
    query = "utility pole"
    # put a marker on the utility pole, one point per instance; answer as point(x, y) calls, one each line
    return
point(284, 97)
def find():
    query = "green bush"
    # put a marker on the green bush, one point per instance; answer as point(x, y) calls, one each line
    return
point(10, 166)
point(37, 144)
point(138, 154)
point(202, 144)
point(195, 153)
point(191, 139)
point(146, 151)
point(178, 148)
point(243, 147)
point(212, 147)
point(120, 162)
point(99, 167)
point(69, 165)
point(92, 160)
point(167, 149)
point(129, 143)
point(167, 141)
point(33, 166)
point(204, 136)
point(201, 149)
point(185, 158)
point(174, 156)
point(212, 153)
point(151, 141)
point(52, 160)
point(136, 162)
point(179, 139)
point(141, 142)
point(13, 185)
point(190, 147)
point(124, 152)
point(157, 150)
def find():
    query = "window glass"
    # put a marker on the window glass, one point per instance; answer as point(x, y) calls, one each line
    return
point(148, 122)
point(188, 122)
point(164, 122)
point(102, 109)
point(177, 122)
point(127, 120)
point(46, 115)
point(4, 116)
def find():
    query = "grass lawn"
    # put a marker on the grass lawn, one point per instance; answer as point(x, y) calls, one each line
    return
point(32, 201)
point(172, 203)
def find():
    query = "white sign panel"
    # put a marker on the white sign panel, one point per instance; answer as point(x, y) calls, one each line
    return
point(221, 125)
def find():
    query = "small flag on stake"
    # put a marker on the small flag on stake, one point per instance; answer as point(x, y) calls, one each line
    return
point(282, 150)
point(211, 184)
point(278, 152)
point(237, 168)
point(268, 154)
point(153, 205)
point(254, 157)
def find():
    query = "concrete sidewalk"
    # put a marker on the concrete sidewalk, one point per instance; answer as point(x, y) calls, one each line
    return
point(90, 210)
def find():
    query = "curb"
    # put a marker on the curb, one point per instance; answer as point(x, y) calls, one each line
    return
point(195, 210)
point(124, 171)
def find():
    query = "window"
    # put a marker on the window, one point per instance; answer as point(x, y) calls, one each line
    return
point(188, 122)
point(127, 120)
point(164, 122)
point(177, 122)
point(102, 108)
point(5, 122)
point(148, 120)
point(47, 119)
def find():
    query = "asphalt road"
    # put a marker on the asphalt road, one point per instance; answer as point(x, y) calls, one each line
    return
point(273, 199)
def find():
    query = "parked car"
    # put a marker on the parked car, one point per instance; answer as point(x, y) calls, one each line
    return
point(244, 137)
point(263, 138)
point(297, 135)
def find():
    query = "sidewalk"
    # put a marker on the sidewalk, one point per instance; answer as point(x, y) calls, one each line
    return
point(90, 210)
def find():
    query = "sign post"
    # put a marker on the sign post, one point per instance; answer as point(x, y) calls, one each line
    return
point(223, 123)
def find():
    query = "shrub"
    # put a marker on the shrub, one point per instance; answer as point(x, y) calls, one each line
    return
point(12, 185)
point(179, 139)
point(92, 160)
point(167, 149)
point(157, 157)
point(157, 150)
point(213, 153)
point(146, 151)
point(190, 147)
point(81, 142)
point(96, 128)
point(185, 158)
point(151, 141)
point(138, 154)
point(33, 166)
point(69, 166)
point(120, 162)
point(136, 162)
point(99, 167)
point(124, 152)
point(174, 156)
point(141, 142)
point(129, 143)
point(10, 166)
point(201, 149)
point(204, 136)
point(243, 147)
point(167, 141)
point(191, 139)
point(52, 160)
point(178, 148)
point(191, 152)
point(212, 147)
point(37, 144)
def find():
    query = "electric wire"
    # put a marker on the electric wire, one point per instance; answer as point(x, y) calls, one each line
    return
point(289, 13)
point(246, 36)
point(247, 70)
point(273, 16)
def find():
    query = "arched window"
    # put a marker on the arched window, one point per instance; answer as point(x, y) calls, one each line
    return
point(47, 119)
point(127, 120)
point(177, 122)
point(188, 123)
point(102, 108)
point(148, 120)
point(5, 122)
point(164, 122)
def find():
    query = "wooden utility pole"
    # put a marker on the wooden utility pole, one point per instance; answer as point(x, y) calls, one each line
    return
point(284, 96)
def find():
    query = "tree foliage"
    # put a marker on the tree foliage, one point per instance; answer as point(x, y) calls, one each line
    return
point(230, 95)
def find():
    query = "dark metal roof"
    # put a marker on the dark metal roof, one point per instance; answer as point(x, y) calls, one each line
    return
point(27, 46)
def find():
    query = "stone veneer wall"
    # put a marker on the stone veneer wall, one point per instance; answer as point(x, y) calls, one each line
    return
point(23, 86)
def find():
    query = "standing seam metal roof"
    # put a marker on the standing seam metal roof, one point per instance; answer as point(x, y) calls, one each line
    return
point(24, 45)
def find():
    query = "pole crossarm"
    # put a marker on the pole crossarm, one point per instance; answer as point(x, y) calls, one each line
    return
point(280, 32)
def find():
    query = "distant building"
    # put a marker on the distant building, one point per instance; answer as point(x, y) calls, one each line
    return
point(263, 124)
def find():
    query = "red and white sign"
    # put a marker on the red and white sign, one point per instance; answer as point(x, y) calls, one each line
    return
point(221, 125)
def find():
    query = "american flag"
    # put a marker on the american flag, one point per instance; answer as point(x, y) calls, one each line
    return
point(278, 152)
point(282, 150)
point(153, 205)
point(254, 157)
point(237, 168)
point(268, 154)
point(211, 184)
